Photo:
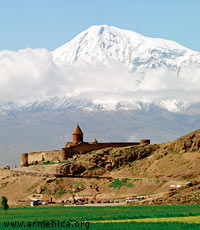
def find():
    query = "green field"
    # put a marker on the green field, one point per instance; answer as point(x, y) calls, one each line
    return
point(127, 217)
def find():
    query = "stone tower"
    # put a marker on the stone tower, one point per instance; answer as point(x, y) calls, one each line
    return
point(77, 135)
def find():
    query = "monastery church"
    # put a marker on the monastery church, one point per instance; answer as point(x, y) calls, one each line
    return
point(77, 146)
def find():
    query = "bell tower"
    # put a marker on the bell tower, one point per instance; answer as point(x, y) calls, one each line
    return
point(77, 135)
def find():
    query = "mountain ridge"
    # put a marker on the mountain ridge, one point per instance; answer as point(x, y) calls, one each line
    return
point(89, 105)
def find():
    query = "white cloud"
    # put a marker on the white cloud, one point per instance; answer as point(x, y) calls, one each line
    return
point(31, 74)
point(27, 75)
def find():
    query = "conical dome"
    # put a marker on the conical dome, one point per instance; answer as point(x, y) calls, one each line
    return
point(77, 130)
point(95, 141)
point(77, 135)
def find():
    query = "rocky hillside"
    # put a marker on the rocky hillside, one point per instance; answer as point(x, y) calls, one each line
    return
point(166, 160)
point(165, 173)
point(187, 143)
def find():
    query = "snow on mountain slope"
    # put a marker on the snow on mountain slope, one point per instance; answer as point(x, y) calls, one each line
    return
point(163, 72)
point(101, 44)
point(96, 105)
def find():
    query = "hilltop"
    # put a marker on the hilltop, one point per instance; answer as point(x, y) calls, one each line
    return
point(114, 173)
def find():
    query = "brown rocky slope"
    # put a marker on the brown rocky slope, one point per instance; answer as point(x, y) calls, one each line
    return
point(110, 173)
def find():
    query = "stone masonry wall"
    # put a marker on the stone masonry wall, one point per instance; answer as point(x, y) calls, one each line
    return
point(87, 147)
point(35, 157)
point(65, 153)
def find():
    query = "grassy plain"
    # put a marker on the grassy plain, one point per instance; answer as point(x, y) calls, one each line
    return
point(127, 217)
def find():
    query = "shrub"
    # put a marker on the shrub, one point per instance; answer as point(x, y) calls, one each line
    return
point(61, 191)
point(116, 184)
point(124, 182)
point(4, 203)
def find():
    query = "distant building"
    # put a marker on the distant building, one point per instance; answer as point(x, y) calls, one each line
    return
point(77, 146)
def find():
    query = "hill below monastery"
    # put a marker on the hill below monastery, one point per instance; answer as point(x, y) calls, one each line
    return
point(162, 173)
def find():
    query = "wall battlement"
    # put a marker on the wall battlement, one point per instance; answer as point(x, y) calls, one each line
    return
point(78, 146)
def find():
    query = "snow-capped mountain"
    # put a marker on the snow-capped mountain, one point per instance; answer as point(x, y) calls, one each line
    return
point(102, 44)
point(89, 105)
point(140, 69)
point(102, 68)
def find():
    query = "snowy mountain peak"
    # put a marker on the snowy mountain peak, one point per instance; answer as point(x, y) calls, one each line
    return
point(102, 44)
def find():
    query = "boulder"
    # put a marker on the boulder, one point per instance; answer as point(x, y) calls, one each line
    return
point(77, 169)
point(72, 169)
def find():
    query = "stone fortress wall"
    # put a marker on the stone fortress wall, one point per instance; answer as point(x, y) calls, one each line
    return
point(72, 148)
point(38, 157)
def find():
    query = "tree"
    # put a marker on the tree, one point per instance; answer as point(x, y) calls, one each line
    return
point(4, 203)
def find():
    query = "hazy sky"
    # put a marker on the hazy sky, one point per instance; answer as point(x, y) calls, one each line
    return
point(51, 23)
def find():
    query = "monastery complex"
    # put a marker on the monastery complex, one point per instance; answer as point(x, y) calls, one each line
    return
point(77, 146)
